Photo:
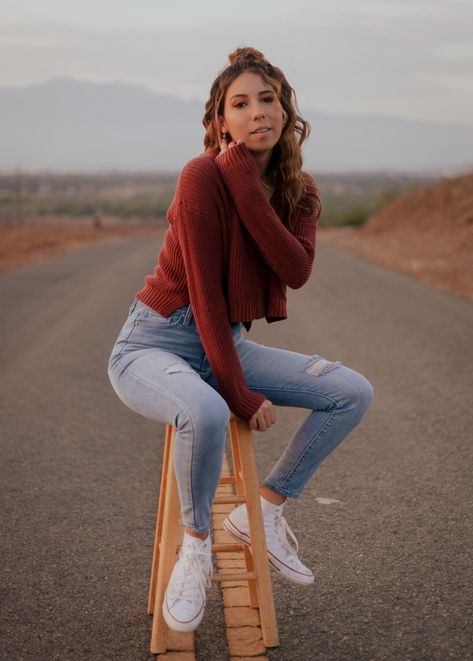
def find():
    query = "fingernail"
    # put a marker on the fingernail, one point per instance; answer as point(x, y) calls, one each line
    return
point(240, 141)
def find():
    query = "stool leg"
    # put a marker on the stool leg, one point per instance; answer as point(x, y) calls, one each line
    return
point(240, 490)
point(167, 552)
point(159, 521)
point(241, 433)
point(236, 457)
point(252, 587)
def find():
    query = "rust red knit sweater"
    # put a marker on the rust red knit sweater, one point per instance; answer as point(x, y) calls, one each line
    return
point(229, 252)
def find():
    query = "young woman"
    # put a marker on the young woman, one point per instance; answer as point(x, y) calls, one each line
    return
point(242, 227)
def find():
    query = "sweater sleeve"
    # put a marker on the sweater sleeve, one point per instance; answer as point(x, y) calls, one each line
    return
point(199, 237)
point(289, 252)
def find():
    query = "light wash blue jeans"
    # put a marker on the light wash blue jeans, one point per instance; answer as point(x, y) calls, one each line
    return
point(159, 369)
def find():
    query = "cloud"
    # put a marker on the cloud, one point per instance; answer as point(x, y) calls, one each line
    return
point(407, 60)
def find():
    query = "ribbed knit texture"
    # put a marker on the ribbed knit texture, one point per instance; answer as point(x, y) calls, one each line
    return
point(229, 252)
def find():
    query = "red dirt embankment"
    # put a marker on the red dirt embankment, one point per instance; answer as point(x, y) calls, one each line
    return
point(427, 233)
point(49, 237)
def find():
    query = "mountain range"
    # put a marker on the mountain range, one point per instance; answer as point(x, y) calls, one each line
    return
point(67, 125)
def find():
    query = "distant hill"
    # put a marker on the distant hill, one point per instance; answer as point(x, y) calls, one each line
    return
point(69, 125)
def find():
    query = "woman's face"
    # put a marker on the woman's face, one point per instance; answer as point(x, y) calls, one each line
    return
point(250, 104)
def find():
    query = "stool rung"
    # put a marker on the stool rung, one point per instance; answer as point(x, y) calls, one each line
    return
point(226, 500)
point(227, 548)
point(228, 479)
point(219, 548)
point(237, 576)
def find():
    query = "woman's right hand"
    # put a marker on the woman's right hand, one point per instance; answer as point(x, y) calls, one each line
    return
point(264, 417)
point(225, 146)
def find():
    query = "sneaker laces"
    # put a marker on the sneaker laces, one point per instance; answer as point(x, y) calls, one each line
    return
point(192, 576)
point(282, 528)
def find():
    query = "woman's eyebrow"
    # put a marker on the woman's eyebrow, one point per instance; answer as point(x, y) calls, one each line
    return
point(262, 92)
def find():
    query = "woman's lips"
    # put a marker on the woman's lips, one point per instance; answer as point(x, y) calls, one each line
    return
point(261, 133)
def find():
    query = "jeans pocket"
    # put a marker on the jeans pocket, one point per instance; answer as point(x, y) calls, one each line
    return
point(146, 316)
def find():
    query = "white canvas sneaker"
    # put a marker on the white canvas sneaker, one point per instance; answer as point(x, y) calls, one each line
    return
point(184, 600)
point(282, 557)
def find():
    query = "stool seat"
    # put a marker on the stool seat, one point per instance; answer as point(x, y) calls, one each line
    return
point(257, 571)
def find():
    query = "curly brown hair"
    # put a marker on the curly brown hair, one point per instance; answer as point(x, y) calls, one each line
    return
point(285, 166)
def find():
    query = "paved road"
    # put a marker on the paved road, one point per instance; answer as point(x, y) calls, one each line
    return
point(80, 471)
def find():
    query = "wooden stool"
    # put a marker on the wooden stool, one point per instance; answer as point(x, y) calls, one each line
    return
point(257, 572)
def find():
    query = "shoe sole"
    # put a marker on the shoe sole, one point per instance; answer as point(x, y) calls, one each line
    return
point(243, 537)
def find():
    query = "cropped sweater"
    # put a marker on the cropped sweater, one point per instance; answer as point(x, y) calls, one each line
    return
point(230, 252)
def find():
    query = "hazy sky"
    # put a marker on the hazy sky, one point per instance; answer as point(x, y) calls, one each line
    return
point(401, 58)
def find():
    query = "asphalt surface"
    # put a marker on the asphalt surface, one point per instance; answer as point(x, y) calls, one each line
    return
point(80, 472)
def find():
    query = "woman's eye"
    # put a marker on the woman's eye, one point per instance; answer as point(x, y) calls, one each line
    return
point(267, 98)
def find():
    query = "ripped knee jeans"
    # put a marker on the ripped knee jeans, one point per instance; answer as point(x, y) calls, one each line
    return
point(158, 368)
